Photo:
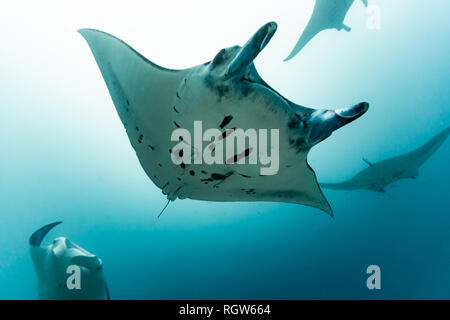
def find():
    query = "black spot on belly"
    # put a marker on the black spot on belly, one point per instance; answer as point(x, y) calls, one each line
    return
point(192, 173)
point(140, 138)
point(179, 179)
point(218, 176)
point(175, 109)
point(250, 191)
point(137, 128)
point(182, 165)
point(204, 172)
point(151, 147)
point(128, 102)
point(226, 121)
point(293, 124)
point(159, 164)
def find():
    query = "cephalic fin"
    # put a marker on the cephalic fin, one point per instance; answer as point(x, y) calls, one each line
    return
point(365, 3)
point(39, 235)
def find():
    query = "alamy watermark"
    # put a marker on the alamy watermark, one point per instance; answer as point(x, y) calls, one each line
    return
point(373, 17)
point(74, 280)
point(232, 146)
point(374, 280)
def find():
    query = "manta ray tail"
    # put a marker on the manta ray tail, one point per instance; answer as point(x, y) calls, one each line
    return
point(37, 237)
point(159, 215)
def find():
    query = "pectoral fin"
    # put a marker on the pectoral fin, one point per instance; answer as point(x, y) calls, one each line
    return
point(37, 237)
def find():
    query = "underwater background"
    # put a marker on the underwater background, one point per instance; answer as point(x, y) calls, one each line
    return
point(65, 154)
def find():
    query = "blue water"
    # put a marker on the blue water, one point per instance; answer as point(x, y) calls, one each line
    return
point(65, 155)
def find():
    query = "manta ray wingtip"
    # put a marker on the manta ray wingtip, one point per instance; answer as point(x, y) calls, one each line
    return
point(329, 211)
point(84, 31)
point(326, 207)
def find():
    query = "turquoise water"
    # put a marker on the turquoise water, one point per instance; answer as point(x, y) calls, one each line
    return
point(65, 155)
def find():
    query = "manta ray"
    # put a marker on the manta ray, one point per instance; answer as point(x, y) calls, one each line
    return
point(52, 263)
point(381, 174)
point(225, 93)
point(327, 14)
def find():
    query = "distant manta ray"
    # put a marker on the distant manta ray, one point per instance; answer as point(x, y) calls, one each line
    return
point(378, 175)
point(327, 14)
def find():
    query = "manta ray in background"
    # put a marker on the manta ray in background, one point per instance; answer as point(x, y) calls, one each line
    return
point(327, 14)
point(226, 93)
point(378, 175)
point(52, 263)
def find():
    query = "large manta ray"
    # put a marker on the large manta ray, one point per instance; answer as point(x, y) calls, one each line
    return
point(327, 14)
point(226, 93)
point(378, 175)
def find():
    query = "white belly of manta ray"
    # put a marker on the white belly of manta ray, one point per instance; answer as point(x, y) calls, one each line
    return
point(235, 144)
point(226, 93)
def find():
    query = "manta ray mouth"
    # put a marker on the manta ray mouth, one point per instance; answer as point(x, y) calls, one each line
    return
point(261, 83)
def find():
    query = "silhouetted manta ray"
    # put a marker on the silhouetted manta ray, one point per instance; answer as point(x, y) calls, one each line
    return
point(52, 262)
point(378, 175)
point(226, 93)
point(327, 14)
